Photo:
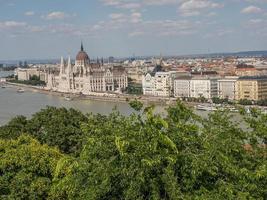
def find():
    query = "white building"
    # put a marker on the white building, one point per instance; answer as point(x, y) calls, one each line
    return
point(195, 87)
point(148, 85)
point(182, 87)
point(2, 80)
point(24, 74)
point(203, 87)
point(227, 87)
point(86, 77)
point(161, 84)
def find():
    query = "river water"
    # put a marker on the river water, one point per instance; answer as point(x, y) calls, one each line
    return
point(13, 103)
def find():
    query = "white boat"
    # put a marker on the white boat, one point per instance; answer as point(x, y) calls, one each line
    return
point(20, 90)
point(206, 108)
point(67, 98)
point(232, 109)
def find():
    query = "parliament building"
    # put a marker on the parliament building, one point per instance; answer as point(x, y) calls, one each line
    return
point(85, 77)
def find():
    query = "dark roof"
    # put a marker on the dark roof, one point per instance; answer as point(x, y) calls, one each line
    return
point(204, 73)
point(253, 78)
point(184, 78)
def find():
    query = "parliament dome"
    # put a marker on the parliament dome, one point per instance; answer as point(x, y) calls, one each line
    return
point(82, 55)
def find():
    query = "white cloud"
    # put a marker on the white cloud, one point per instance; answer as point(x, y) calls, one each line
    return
point(136, 17)
point(251, 10)
point(129, 5)
point(196, 7)
point(257, 1)
point(160, 2)
point(29, 13)
point(255, 21)
point(134, 4)
point(211, 14)
point(12, 24)
point(55, 15)
point(122, 4)
point(136, 33)
point(256, 27)
point(116, 16)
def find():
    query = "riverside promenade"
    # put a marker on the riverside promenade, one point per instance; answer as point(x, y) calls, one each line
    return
point(112, 97)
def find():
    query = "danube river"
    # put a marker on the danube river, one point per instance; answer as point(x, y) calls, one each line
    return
point(13, 103)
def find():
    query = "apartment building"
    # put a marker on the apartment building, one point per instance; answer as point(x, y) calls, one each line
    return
point(251, 88)
point(196, 87)
point(159, 83)
point(203, 87)
point(182, 87)
point(27, 73)
point(227, 87)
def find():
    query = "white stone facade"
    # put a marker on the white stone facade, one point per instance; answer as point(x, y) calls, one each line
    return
point(227, 87)
point(161, 84)
point(86, 77)
point(182, 88)
point(203, 87)
point(27, 73)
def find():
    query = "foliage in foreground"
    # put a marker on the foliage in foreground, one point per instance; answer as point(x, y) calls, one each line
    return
point(148, 156)
point(26, 168)
point(53, 126)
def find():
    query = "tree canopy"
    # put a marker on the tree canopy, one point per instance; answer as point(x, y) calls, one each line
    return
point(26, 168)
point(58, 127)
point(177, 155)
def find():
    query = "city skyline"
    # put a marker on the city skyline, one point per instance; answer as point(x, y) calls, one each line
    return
point(120, 28)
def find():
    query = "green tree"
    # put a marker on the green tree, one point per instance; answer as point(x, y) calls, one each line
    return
point(58, 127)
point(136, 105)
point(53, 126)
point(26, 168)
point(245, 102)
point(177, 156)
point(14, 128)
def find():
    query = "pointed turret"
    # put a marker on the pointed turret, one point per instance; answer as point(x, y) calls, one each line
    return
point(69, 66)
point(82, 46)
point(62, 65)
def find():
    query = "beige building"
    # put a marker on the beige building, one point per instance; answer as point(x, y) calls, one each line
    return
point(247, 72)
point(27, 73)
point(251, 88)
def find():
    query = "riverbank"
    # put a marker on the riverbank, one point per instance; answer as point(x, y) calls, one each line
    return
point(122, 98)
point(99, 96)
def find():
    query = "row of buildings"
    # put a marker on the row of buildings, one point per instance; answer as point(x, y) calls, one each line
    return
point(83, 77)
point(232, 78)
point(168, 84)
point(25, 74)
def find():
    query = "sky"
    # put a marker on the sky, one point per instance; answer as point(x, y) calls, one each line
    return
point(44, 29)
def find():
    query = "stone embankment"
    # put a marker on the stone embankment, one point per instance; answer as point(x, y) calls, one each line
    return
point(112, 97)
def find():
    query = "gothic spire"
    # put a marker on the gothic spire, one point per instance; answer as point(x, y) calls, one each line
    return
point(62, 65)
point(69, 66)
point(81, 46)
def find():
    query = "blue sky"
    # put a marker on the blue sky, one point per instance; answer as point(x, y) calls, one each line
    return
point(50, 28)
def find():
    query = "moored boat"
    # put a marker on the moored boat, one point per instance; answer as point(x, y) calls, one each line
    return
point(67, 98)
point(206, 108)
point(20, 90)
